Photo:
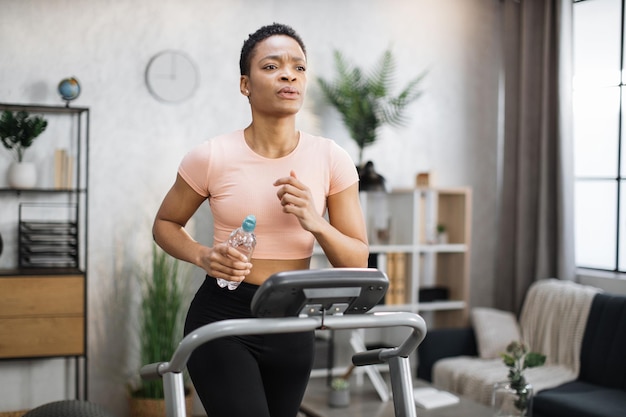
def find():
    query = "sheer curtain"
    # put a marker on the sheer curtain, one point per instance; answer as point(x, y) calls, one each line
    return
point(535, 207)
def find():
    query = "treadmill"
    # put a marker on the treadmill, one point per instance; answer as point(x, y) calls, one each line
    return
point(296, 301)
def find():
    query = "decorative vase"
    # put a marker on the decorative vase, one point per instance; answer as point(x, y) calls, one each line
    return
point(22, 175)
point(507, 402)
point(339, 398)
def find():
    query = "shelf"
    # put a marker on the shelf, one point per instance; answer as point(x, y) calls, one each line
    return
point(52, 296)
point(422, 306)
point(448, 248)
point(412, 308)
point(43, 108)
point(425, 248)
point(19, 191)
point(317, 250)
point(393, 248)
point(441, 305)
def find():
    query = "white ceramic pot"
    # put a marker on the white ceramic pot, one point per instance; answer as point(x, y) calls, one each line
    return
point(22, 175)
point(339, 398)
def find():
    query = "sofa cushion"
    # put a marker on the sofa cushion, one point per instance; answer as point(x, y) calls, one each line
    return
point(603, 351)
point(579, 399)
point(474, 378)
point(494, 329)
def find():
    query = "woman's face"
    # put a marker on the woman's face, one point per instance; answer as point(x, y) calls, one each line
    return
point(277, 81)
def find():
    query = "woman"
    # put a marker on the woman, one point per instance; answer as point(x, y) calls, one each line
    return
point(287, 179)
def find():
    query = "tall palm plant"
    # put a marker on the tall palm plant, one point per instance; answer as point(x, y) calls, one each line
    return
point(365, 99)
point(160, 317)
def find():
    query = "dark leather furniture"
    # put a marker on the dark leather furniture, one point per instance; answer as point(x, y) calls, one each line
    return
point(599, 390)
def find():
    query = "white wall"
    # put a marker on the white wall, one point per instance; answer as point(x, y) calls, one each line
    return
point(137, 142)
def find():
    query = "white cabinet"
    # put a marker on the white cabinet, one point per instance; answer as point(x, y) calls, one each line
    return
point(415, 255)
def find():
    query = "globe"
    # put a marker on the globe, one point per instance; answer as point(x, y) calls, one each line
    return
point(69, 89)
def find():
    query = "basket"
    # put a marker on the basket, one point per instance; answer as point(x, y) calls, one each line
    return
point(19, 413)
point(150, 407)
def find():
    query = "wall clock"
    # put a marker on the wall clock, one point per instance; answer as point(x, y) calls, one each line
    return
point(171, 76)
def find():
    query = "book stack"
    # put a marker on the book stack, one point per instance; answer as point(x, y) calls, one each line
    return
point(63, 169)
point(396, 273)
point(49, 244)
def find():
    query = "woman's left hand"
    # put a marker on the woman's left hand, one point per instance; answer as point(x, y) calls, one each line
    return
point(296, 198)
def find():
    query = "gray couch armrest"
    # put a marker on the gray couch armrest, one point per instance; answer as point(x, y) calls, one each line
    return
point(444, 343)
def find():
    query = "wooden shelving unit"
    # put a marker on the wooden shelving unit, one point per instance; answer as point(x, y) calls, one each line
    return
point(43, 310)
point(412, 217)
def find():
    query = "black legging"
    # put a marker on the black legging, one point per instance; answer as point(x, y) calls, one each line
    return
point(241, 376)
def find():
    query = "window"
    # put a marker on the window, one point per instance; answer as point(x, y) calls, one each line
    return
point(599, 127)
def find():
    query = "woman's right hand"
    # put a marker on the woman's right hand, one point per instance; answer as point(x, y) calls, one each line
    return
point(223, 261)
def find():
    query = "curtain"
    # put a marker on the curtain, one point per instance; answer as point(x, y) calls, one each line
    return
point(535, 178)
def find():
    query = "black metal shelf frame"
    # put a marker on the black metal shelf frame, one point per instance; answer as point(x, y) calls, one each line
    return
point(77, 193)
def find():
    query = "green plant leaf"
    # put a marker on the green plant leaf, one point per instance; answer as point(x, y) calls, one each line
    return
point(339, 383)
point(161, 316)
point(508, 359)
point(517, 359)
point(364, 99)
point(534, 359)
point(18, 131)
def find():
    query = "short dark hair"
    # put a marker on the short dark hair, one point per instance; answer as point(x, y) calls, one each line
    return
point(260, 35)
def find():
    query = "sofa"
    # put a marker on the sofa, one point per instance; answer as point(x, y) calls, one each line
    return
point(580, 329)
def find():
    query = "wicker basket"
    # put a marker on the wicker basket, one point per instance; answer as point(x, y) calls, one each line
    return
point(149, 407)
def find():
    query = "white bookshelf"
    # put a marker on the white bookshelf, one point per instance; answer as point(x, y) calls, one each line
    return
point(412, 218)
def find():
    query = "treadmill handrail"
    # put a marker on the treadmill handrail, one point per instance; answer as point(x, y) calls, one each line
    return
point(240, 327)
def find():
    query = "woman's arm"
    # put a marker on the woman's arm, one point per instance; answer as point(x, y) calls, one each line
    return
point(180, 203)
point(343, 238)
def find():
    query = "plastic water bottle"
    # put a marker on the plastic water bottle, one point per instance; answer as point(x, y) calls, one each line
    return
point(244, 240)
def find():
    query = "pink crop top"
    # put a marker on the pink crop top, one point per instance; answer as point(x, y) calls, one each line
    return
point(238, 182)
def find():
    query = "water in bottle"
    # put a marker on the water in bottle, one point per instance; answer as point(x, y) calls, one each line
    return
point(244, 240)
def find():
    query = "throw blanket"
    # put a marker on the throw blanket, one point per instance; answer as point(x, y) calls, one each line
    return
point(552, 322)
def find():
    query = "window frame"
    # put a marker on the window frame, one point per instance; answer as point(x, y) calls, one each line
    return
point(619, 180)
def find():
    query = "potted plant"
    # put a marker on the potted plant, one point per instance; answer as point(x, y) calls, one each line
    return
point(17, 132)
point(442, 234)
point(514, 396)
point(339, 395)
point(365, 100)
point(160, 329)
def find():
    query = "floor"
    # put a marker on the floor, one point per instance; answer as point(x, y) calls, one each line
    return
point(365, 402)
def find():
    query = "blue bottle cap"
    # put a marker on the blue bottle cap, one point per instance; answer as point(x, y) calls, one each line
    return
point(249, 223)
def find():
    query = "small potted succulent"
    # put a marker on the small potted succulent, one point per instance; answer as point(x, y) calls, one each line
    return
point(442, 234)
point(339, 395)
point(514, 396)
point(18, 130)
